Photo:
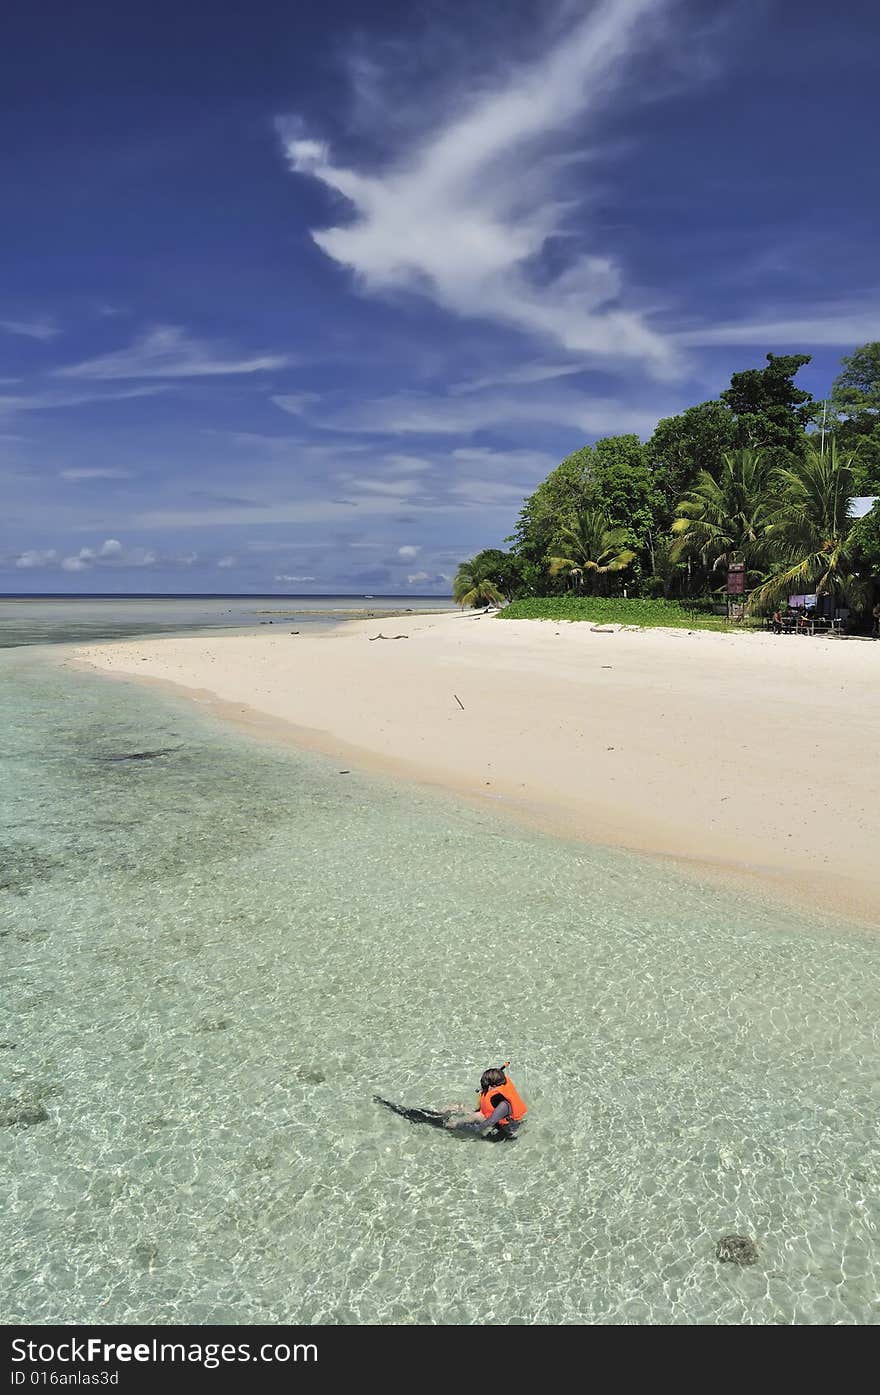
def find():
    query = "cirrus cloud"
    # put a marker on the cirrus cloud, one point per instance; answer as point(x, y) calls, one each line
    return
point(167, 351)
point(466, 216)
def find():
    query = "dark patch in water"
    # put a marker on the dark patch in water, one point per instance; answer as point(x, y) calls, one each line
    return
point(22, 866)
point(145, 1253)
point(217, 1024)
point(21, 1113)
point(736, 1249)
point(7, 1045)
point(262, 1162)
point(311, 1077)
point(141, 755)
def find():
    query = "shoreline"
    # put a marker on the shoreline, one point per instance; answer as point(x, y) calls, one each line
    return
point(742, 758)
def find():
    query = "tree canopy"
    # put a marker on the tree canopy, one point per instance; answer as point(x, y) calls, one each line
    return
point(682, 446)
point(855, 403)
point(738, 478)
point(769, 409)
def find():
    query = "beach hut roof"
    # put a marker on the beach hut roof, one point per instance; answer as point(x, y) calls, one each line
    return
point(862, 504)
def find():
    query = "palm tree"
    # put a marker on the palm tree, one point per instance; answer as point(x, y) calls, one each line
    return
point(473, 585)
point(592, 548)
point(810, 530)
point(727, 519)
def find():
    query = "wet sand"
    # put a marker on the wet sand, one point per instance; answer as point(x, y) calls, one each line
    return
point(749, 756)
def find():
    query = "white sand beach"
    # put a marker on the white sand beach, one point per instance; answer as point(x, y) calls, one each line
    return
point(750, 755)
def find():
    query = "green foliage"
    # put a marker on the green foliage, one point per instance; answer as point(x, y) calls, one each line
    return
point(615, 610)
point(733, 479)
point(855, 402)
point(503, 569)
point(624, 488)
point(567, 491)
point(473, 585)
point(610, 479)
point(591, 551)
point(866, 463)
point(770, 411)
point(856, 391)
point(728, 519)
point(811, 530)
point(865, 541)
point(682, 446)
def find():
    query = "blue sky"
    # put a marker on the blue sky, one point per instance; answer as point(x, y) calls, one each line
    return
point(306, 297)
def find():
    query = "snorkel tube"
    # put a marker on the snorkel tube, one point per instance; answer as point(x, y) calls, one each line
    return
point(503, 1070)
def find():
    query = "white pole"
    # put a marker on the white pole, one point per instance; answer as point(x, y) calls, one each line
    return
point(824, 415)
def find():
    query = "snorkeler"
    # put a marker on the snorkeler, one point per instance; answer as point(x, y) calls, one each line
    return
point(501, 1110)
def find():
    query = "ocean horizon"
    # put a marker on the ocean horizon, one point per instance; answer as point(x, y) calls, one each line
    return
point(64, 619)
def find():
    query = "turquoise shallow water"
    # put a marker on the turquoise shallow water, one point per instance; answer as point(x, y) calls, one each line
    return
point(213, 959)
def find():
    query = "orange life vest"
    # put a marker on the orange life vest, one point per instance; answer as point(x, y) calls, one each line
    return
point(518, 1110)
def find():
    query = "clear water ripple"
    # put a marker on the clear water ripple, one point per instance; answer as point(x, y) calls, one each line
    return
point(212, 960)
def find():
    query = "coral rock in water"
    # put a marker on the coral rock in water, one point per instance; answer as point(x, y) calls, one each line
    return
point(21, 1113)
point(736, 1249)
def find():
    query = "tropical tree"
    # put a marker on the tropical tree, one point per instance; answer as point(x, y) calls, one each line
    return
point(566, 492)
point(811, 530)
point(855, 414)
point(590, 550)
point(682, 446)
point(504, 569)
point(726, 519)
point(855, 393)
point(473, 584)
point(769, 410)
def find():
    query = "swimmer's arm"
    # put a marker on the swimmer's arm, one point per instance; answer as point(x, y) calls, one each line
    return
point(478, 1122)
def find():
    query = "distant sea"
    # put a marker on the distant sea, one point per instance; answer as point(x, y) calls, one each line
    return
point(215, 952)
point(44, 619)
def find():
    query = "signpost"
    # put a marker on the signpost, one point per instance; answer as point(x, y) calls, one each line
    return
point(736, 586)
point(736, 579)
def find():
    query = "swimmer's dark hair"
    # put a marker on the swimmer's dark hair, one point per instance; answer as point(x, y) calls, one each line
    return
point(490, 1078)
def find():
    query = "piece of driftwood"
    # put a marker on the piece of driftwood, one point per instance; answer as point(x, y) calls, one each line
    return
point(373, 638)
point(459, 701)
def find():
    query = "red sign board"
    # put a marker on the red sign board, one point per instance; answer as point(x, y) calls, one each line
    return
point(736, 579)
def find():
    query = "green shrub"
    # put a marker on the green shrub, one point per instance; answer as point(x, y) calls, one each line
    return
point(616, 610)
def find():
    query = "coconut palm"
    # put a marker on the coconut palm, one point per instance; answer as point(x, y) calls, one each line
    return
point(473, 585)
point(590, 549)
point(726, 519)
point(811, 529)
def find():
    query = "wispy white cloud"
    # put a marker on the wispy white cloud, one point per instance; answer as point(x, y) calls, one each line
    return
point(465, 217)
point(489, 493)
point(833, 328)
point(305, 511)
point(169, 352)
point(418, 413)
point(394, 487)
point(295, 403)
point(408, 553)
point(53, 400)
point(226, 562)
point(521, 463)
point(42, 329)
point(76, 475)
point(535, 372)
point(283, 576)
